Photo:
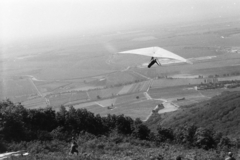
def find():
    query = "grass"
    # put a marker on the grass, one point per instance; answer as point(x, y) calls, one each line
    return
point(106, 149)
point(125, 89)
point(137, 87)
point(174, 92)
point(38, 102)
point(95, 94)
point(107, 102)
point(122, 78)
point(190, 101)
point(59, 99)
point(19, 98)
point(145, 86)
point(140, 109)
point(50, 86)
point(109, 92)
point(211, 92)
point(130, 98)
point(16, 87)
point(128, 105)
point(96, 109)
point(164, 83)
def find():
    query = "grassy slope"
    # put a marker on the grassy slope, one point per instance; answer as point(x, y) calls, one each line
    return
point(104, 149)
point(221, 113)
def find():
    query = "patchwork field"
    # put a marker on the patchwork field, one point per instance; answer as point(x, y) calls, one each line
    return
point(123, 78)
point(67, 98)
point(95, 108)
point(134, 88)
point(19, 99)
point(110, 92)
point(164, 83)
point(174, 92)
point(146, 85)
point(12, 88)
point(107, 103)
point(49, 87)
point(141, 109)
point(139, 87)
point(59, 86)
point(138, 109)
point(88, 73)
point(36, 102)
point(130, 98)
point(125, 89)
point(98, 94)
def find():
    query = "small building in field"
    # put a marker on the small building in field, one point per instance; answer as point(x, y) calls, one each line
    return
point(211, 80)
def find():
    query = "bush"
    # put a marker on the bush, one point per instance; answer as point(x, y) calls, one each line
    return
point(2, 147)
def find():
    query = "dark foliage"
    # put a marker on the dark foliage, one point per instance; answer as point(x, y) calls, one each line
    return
point(2, 147)
point(19, 125)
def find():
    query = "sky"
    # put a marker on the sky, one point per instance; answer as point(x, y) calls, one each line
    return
point(21, 19)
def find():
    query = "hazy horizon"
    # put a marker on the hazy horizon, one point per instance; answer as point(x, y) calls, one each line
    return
point(22, 19)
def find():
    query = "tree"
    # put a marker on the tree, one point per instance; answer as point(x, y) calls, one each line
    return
point(188, 134)
point(164, 134)
point(110, 121)
point(12, 127)
point(61, 116)
point(203, 138)
point(142, 132)
point(124, 125)
point(225, 141)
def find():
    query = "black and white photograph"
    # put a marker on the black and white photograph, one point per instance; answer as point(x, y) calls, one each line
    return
point(120, 79)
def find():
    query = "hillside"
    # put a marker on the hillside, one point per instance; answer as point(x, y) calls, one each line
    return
point(48, 134)
point(220, 113)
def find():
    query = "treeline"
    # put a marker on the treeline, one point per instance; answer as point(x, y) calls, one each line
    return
point(19, 124)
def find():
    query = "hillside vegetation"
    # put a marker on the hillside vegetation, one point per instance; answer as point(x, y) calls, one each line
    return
point(220, 113)
point(46, 134)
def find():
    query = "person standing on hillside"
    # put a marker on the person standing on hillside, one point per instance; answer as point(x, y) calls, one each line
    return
point(73, 148)
point(230, 156)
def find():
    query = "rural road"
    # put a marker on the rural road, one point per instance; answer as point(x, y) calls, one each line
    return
point(168, 106)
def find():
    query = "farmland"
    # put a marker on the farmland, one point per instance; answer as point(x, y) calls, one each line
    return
point(35, 102)
point(136, 108)
point(67, 98)
point(164, 83)
point(174, 92)
point(18, 89)
point(87, 73)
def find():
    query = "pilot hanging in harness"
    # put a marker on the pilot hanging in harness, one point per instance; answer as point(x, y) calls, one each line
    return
point(153, 61)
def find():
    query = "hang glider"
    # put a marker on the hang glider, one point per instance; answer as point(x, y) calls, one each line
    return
point(156, 53)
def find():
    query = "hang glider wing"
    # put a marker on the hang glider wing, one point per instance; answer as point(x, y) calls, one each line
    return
point(156, 52)
point(142, 51)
